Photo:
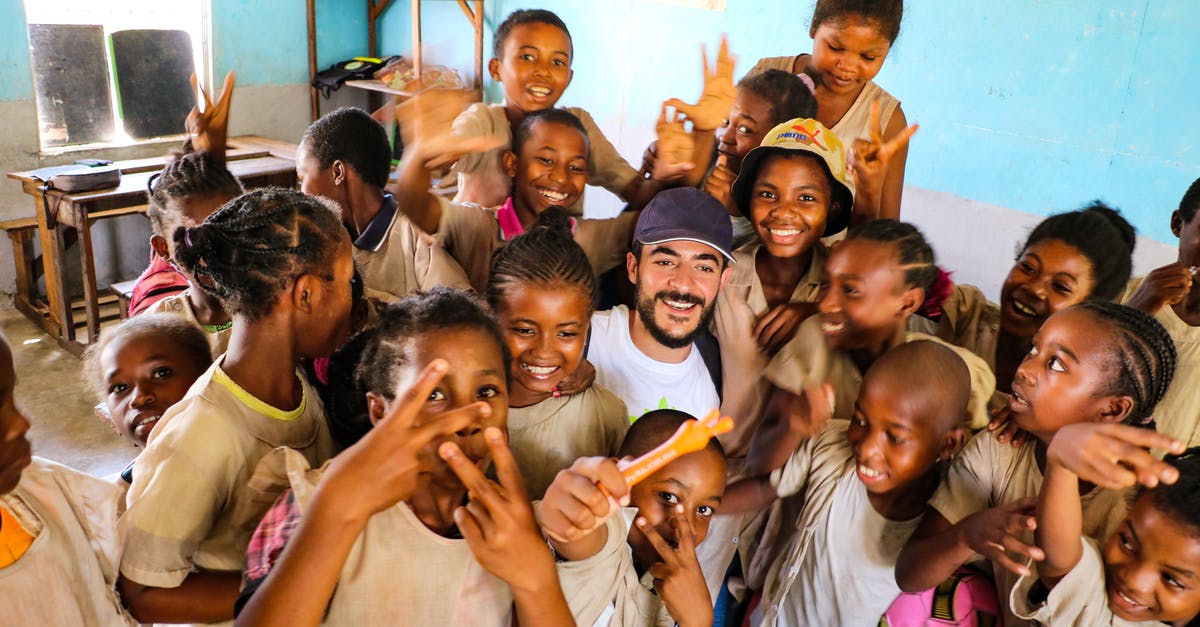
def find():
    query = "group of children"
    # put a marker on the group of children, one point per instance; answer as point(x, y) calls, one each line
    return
point(372, 404)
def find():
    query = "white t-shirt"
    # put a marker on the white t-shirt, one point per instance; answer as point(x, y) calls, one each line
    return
point(645, 384)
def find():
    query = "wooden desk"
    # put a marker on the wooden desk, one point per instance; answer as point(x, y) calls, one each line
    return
point(255, 161)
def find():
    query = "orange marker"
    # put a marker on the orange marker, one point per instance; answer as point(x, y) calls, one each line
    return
point(691, 436)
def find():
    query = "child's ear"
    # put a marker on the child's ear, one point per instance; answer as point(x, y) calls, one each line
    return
point(159, 244)
point(1116, 409)
point(910, 301)
point(631, 267)
point(376, 408)
point(305, 293)
point(954, 443)
point(1176, 222)
point(509, 161)
point(339, 171)
point(494, 68)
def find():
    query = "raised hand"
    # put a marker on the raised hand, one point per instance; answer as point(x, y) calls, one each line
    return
point(1114, 456)
point(578, 381)
point(869, 158)
point(208, 123)
point(992, 533)
point(777, 326)
point(719, 184)
point(381, 469)
point(718, 94)
point(678, 578)
point(674, 148)
point(1005, 429)
point(1164, 286)
point(581, 498)
point(426, 124)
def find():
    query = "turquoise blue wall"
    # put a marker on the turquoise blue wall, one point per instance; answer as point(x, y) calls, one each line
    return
point(1032, 105)
point(16, 81)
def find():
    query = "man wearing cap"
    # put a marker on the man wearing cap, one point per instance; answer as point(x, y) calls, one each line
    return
point(660, 355)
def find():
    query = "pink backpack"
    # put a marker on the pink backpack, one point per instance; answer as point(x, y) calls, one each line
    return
point(966, 599)
point(158, 281)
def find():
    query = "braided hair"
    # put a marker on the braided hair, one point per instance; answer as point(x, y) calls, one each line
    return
point(1178, 500)
point(545, 255)
point(370, 361)
point(257, 245)
point(1102, 235)
point(1144, 356)
point(195, 174)
point(915, 254)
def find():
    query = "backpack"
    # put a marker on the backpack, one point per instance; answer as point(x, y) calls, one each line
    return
point(966, 599)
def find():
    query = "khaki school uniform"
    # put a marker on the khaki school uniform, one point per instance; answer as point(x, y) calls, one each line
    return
point(1080, 598)
point(68, 574)
point(1178, 415)
point(396, 258)
point(549, 436)
point(472, 235)
point(971, 321)
point(398, 572)
point(839, 564)
point(481, 178)
point(193, 504)
point(180, 305)
point(605, 589)
point(988, 473)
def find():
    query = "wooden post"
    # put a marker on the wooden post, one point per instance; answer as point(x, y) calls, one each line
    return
point(314, 99)
point(416, 37)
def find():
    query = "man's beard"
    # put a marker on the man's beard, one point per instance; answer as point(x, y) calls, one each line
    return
point(645, 310)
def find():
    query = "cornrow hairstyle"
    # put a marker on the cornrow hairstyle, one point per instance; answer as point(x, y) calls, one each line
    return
point(164, 327)
point(194, 174)
point(352, 136)
point(527, 16)
point(1102, 235)
point(1144, 356)
point(370, 360)
point(545, 255)
point(550, 116)
point(789, 96)
point(1179, 500)
point(1190, 201)
point(258, 244)
point(885, 15)
point(916, 256)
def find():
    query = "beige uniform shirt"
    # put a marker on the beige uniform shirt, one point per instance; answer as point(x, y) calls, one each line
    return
point(481, 177)
point(971, 321)
point(399, 572)
point(1079, 600)
point(1178, 415)
point(839, 565)
point(403, 258)
point(68, 575)
point(472, 235)
point(740, 304)
point(179, 305)
point(549, 436)
point(988, 473)
point(193, 503)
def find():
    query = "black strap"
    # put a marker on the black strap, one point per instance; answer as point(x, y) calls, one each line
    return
point(710, 352)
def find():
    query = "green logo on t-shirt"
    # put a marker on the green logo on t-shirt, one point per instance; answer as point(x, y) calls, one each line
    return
point(662, 404)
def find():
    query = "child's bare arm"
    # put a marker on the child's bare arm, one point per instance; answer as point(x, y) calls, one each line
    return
point(201, 598)
point(371, 476)
point(893, 184)
point(581, 498)
point(1060, 523)
point(789, 420)
point(498, 523)
point(938, 548)
point(747, 495)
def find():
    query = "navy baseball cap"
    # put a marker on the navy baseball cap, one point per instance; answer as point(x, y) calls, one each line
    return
point(686, 213)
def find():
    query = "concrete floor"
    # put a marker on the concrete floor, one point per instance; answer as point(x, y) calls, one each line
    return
point(54, 395)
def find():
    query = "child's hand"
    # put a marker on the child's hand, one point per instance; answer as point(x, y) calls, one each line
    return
point(678, 578)
point(673, 150)
point(581, 498)
point(778, 326)
point(719, 184)
point(426, 124)
point(498, 521)
point(1005, 429)
point(809, 412)
point(719, 92)
point(869, 159)
point(381, 469)
point(578, 381)
point(1113, 456)
point(209, 127)
point(1164, 286)
point(992, 534)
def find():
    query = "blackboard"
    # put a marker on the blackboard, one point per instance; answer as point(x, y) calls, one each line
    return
point(152, 69)
point(70, 72)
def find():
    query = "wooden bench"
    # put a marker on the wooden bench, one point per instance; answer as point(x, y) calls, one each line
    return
point(23, 232)
point(124, 294)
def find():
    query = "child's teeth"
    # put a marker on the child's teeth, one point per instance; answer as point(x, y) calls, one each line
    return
point(832, 326)
point(554, 196)
point(539, 369)
point(540, 91)
point(868, 472)
point(1023, 309)
point(784, 232)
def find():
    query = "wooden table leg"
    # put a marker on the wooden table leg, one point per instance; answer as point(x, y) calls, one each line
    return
point(58, 274)
point(51, 245)
point(87, 264)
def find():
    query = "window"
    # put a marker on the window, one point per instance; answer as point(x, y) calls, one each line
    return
point(114, 73)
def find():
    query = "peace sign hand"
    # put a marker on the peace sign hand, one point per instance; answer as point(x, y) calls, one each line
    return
point(208, 123)
point(716, 99)
point(678, 578)
point(869, 159)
